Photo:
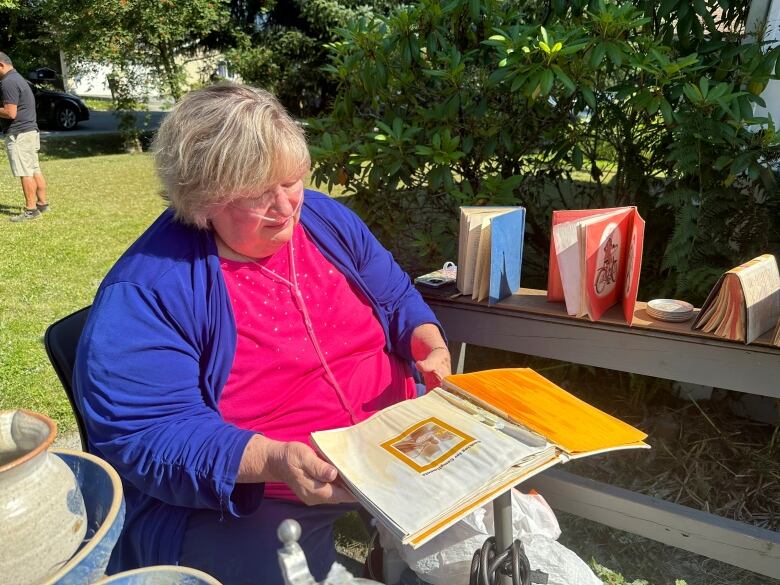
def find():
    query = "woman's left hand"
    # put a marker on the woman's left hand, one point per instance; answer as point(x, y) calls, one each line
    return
point(435, 366)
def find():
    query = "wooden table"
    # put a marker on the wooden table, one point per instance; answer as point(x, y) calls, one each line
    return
point(526, 323)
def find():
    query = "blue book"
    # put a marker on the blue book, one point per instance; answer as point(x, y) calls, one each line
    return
point(490, 251)
point(506, 254)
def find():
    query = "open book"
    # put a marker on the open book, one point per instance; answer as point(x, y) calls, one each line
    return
point(421, 465)
point(744, 303)
point(595, 260)
point(490, 251)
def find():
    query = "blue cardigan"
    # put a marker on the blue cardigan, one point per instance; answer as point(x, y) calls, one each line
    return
point(157, 350)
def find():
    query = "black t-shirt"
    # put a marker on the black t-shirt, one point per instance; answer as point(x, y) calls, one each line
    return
point(17, 91)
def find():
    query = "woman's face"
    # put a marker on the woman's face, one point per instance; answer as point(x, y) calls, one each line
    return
point(259, 224)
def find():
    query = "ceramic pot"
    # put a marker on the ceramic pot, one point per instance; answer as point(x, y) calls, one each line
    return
point(42, 516)
point(161, 575)
point(105, 504)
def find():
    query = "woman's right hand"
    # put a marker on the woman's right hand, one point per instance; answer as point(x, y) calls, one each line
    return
point(310, 478)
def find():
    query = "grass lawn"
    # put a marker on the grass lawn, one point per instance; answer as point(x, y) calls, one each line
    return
point(52, 266)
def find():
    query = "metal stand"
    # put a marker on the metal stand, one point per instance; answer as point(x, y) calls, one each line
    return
point(491, 568)
point(501, 560)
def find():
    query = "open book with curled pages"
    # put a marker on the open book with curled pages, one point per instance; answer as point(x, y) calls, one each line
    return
point(744, 303)
point(419, 466)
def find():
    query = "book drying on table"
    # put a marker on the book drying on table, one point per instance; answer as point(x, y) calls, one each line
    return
point(744, 303)
point(490, 251)
point(420, 465)
point(595, 260)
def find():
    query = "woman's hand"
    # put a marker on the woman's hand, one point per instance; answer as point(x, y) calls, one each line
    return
point(313, 480)
point(435, 366)
point(431, 354)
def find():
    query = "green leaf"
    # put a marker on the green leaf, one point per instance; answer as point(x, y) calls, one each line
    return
point(474, 10)
point(546, 83)
point(721, 162)
point(704, 86)
point(544, 47)
point(557, 47)
point(666, 112)
point(666, 7)
point(692, 93)
point(565, 79)
point(589, 97)
point(597, 55)
point(577, 158)
point(497, 77)
point(615, 54)
point(501, 38)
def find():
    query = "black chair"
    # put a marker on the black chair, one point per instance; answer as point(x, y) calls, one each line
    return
point(61, 339)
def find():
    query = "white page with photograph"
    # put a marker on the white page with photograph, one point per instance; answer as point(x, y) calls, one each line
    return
point(415, 460)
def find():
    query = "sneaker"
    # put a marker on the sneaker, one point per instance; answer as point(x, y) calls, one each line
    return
point(42, 208)
point(26, 214)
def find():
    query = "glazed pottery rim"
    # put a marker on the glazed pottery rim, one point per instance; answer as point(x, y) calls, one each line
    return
point(174, 569)
point(111, 514)
point(45, 444)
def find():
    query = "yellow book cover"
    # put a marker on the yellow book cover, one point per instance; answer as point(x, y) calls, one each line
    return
point(531, 400)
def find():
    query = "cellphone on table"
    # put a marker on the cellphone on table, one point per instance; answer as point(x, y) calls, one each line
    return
point(445, 275)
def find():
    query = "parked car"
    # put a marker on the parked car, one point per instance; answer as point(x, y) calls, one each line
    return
point(58, 109)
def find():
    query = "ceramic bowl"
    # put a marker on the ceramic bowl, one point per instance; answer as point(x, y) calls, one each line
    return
point(42, 511)
point(161, 575)
point(105, 506)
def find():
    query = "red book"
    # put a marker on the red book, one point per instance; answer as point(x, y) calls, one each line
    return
point(595, 260)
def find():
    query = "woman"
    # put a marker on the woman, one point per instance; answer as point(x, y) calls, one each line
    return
point(251, 313)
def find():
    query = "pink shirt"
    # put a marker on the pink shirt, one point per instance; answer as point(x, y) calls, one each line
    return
point(277, 385)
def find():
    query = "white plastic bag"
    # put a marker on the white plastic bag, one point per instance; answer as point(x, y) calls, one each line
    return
point(446, 559)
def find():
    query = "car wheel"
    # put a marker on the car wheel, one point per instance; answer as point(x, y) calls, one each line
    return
point(66, 117)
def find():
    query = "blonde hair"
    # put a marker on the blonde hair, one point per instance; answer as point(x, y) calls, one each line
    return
point(224, 142)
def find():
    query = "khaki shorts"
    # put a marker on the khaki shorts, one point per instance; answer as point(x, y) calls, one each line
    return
point(22, 152)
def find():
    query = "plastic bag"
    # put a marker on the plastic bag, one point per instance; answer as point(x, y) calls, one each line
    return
point(446, 559)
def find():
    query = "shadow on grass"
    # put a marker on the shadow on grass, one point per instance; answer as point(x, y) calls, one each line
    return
point(80, 146)
point(10, 209)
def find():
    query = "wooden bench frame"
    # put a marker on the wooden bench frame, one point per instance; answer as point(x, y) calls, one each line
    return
point(526, 324)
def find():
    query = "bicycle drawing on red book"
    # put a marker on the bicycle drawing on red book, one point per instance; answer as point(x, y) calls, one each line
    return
point(606, 275)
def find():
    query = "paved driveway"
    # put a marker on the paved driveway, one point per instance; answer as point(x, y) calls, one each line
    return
point(106, 122)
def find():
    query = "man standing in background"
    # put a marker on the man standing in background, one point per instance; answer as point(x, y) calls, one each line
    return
point(22, 141)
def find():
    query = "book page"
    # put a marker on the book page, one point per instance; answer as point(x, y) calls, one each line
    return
point(714, 307)
point(761, 287)
point(469, 259)
point(463, 239)
point(731, 316)
point(567, 252)
point(414, 460)
point(533, 401)
point(554, 284)
point(482, 271)
point(633, 266)
point(606, 246)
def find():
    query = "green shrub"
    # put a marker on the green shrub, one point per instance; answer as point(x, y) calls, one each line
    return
point(559, 105)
